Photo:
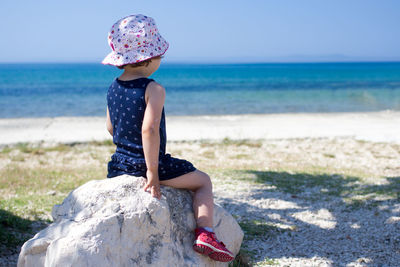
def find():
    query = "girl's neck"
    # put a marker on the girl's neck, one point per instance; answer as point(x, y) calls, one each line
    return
point(140, 72)
point(131, 76)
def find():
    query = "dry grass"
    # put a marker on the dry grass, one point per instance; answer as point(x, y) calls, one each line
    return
point(34, 178)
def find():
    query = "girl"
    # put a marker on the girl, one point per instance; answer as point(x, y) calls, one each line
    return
point(136, 120)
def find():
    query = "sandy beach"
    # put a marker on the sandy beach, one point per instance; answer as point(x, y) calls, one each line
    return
point(383, 126)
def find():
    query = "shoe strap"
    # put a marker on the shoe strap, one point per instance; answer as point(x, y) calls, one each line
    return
point(215, 237)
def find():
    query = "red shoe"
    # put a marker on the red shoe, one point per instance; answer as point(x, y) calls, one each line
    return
point(207, 243)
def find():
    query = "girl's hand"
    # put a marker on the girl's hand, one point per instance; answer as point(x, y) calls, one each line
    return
point(153, 183)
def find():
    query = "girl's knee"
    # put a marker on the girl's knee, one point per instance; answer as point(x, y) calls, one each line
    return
point(205, 180)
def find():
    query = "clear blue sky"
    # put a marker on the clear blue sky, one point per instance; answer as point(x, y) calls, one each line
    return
point(207, 30)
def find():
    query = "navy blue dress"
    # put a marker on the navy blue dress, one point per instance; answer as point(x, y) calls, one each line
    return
point(126, 104)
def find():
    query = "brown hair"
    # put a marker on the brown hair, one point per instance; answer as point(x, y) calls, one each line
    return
point(139, 64)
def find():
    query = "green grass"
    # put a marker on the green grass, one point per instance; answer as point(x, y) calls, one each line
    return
point(38, 149)
point(268, 261)
point(241, 260)
point(18, 158)
point(242, 142)
point(29, 193)
point(241, 156)
point(255, 229)
point(27, 188)
point(14, 230)
point(391, 189)
point(6, 150)
point(258, 229)
point(354, 191)
point(28, 148)
point(229, 142)
point(108, 142)
point(28, 202)
point(299, 182)
point(208, 154)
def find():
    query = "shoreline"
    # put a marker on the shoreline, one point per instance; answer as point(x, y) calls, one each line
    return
point(377, 126)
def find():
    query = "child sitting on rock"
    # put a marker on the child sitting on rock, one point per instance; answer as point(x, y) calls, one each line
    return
point(136, 120)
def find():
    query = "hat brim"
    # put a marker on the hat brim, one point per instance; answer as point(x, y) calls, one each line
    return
point(132, 57)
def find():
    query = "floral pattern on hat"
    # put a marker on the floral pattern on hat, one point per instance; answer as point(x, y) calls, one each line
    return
point(133, 39)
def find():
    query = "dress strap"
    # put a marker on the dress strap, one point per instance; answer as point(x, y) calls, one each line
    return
point(147, 81)
point(136, 83)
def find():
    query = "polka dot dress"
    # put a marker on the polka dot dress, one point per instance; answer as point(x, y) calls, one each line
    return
point(126, 104)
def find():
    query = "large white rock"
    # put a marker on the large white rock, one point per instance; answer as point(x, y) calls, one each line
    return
point(113, 222)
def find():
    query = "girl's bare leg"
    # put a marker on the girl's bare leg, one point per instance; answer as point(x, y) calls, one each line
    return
point(203, 203)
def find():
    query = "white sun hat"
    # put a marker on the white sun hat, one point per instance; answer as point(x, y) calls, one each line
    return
point(133, 39)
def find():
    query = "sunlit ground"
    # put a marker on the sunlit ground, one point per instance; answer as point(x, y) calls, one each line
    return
point(298, 201)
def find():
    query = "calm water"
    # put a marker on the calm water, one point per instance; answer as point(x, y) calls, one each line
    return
point(48, 90)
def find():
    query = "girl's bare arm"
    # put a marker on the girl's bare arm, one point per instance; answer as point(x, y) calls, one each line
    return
point(155, 97)
point(108, 123)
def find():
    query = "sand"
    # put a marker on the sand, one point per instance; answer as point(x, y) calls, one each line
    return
point(382, 126)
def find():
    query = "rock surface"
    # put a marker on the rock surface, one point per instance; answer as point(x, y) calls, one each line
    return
point(113, 222)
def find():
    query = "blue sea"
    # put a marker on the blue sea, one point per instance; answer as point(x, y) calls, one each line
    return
point(50, 90)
